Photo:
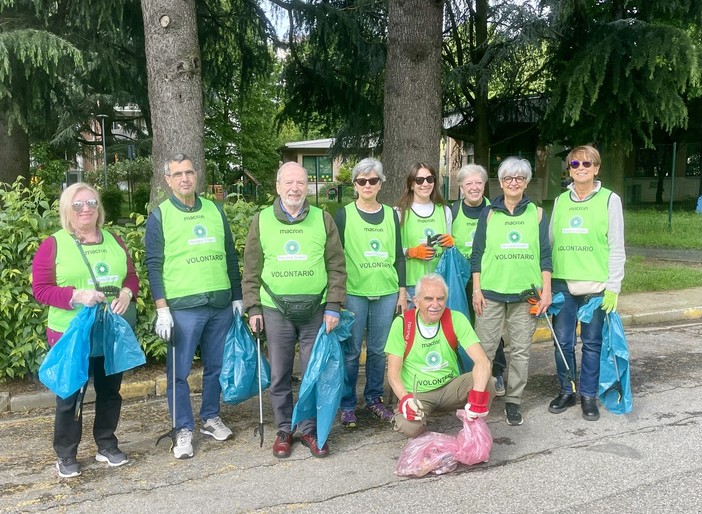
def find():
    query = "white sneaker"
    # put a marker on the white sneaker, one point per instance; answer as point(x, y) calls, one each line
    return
point(184, 444)
point(215, 428)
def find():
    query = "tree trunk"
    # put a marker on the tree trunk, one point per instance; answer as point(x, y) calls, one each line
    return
point(482, 113)
point(412, 111)
point(175, 86)
point(612, 169)
point(14, 157)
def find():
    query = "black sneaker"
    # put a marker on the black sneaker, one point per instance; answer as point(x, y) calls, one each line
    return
point(68, 467)
point(512, 414)
point(112, 456)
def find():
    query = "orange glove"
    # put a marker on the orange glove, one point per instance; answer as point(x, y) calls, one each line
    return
point(422, 251)
point(446, 240)
point(534, 306)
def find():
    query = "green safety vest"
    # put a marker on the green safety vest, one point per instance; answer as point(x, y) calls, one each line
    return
point(580, 247)
point(107, 259)
point(415, 231)
point(194, 258)
point(463, 230)
point(293, 255)
point(370, 254)
point(512, 259)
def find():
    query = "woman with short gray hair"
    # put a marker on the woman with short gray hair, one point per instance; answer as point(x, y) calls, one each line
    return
point(511, 252)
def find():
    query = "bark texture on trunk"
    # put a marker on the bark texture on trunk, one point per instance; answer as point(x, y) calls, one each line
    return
point(14, 151)
point(482, 111)
point(175, 86)
point(412, 111)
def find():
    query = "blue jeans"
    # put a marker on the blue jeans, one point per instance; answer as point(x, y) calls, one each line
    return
point(373, 319)
point(564, 324)
point(208, 327)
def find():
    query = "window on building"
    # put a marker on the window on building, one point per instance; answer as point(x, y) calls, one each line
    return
point(319, 168)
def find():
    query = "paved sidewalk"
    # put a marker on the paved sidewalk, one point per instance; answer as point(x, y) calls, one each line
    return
point(636, 309)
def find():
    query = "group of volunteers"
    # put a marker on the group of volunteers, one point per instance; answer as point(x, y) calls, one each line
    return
point(302, 266)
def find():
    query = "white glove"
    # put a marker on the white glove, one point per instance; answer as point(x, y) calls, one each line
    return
point(238, 306)
point(87, 297)
point(164, 323)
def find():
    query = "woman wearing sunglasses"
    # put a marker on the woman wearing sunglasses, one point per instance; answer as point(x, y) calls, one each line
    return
point(62, 280)
point(425, 224)
point(375, 287)
point(511, 252)
point(587, 236)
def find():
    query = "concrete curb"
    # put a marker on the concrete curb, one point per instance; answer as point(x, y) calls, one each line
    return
point(157, 386)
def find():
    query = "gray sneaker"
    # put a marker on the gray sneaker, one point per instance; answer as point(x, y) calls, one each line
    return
point(112, 456)
point(499, 385)
point(215, 428)
point(512, 414)
point(68, 467)
point(183, 448)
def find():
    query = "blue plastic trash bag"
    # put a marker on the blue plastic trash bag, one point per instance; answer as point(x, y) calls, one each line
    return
point(455, 269)
point(615, 382)
point(557, 301)
point(120, 346)
point(65, 368)
point(323, 381)
point(239, 376)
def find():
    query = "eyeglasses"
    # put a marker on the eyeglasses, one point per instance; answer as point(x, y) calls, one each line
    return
point(363, 181)
point(178, 175)
point(576, 164)
point(79, 204)
point(420, 180)
point(518, 179)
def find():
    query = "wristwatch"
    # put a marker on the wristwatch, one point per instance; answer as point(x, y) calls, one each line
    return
point(129, 292)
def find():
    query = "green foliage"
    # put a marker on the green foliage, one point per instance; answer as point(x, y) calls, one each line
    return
point(239, 214)
point(49, 168)
point(344, 174)
point(26, 218)
point(650, 228)
point(140, 199)
point(641, 274)
point(112, 203)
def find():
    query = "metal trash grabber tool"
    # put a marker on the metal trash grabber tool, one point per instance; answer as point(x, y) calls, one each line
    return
point(617, 386)
point(259, 429)
point(172, 432)
point(534, 293)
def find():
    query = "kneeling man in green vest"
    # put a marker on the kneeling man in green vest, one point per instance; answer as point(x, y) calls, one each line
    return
point(423, 366)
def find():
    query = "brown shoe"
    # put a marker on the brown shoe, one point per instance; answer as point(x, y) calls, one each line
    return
point(282, 447)
point(310, 440)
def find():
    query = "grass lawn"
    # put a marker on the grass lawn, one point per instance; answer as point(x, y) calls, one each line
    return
point(655, 275)
point(649, 227)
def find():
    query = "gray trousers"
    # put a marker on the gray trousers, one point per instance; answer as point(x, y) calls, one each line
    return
point(282, 335)
point(520, 325)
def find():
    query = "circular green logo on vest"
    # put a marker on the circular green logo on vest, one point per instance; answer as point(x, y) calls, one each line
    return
point(429, 232)
point(576, 222)
point(102, 269)
point(472, 235)
point(433, 359)
point(374, 245)
point(199, 231)
point(292, 247)
point(514, 236)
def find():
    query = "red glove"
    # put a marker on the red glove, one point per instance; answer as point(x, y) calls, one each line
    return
point(422, 251)
point(411, 408)
point(446, 240)
point(477, 404)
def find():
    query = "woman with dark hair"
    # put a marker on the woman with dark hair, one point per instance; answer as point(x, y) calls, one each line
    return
point(63, 281)
point(425, 221)
point(375, 287)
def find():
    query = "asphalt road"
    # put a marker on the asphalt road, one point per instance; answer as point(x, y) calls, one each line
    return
point(646, 461)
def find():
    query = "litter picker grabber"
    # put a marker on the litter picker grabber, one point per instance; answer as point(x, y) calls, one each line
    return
point(172, 432)
point(259, 429)
point(533, 297)
point(616, 386)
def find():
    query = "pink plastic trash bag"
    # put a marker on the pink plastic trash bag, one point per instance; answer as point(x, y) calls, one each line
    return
point(437, 453)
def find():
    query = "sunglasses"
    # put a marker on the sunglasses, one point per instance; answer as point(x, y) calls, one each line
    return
point(363, 181)
point(576, 164)
point(420, 180)
point(79, 204)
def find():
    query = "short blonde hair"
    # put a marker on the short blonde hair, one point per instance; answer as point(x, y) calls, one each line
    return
point(589, 152)
point(66, 201)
